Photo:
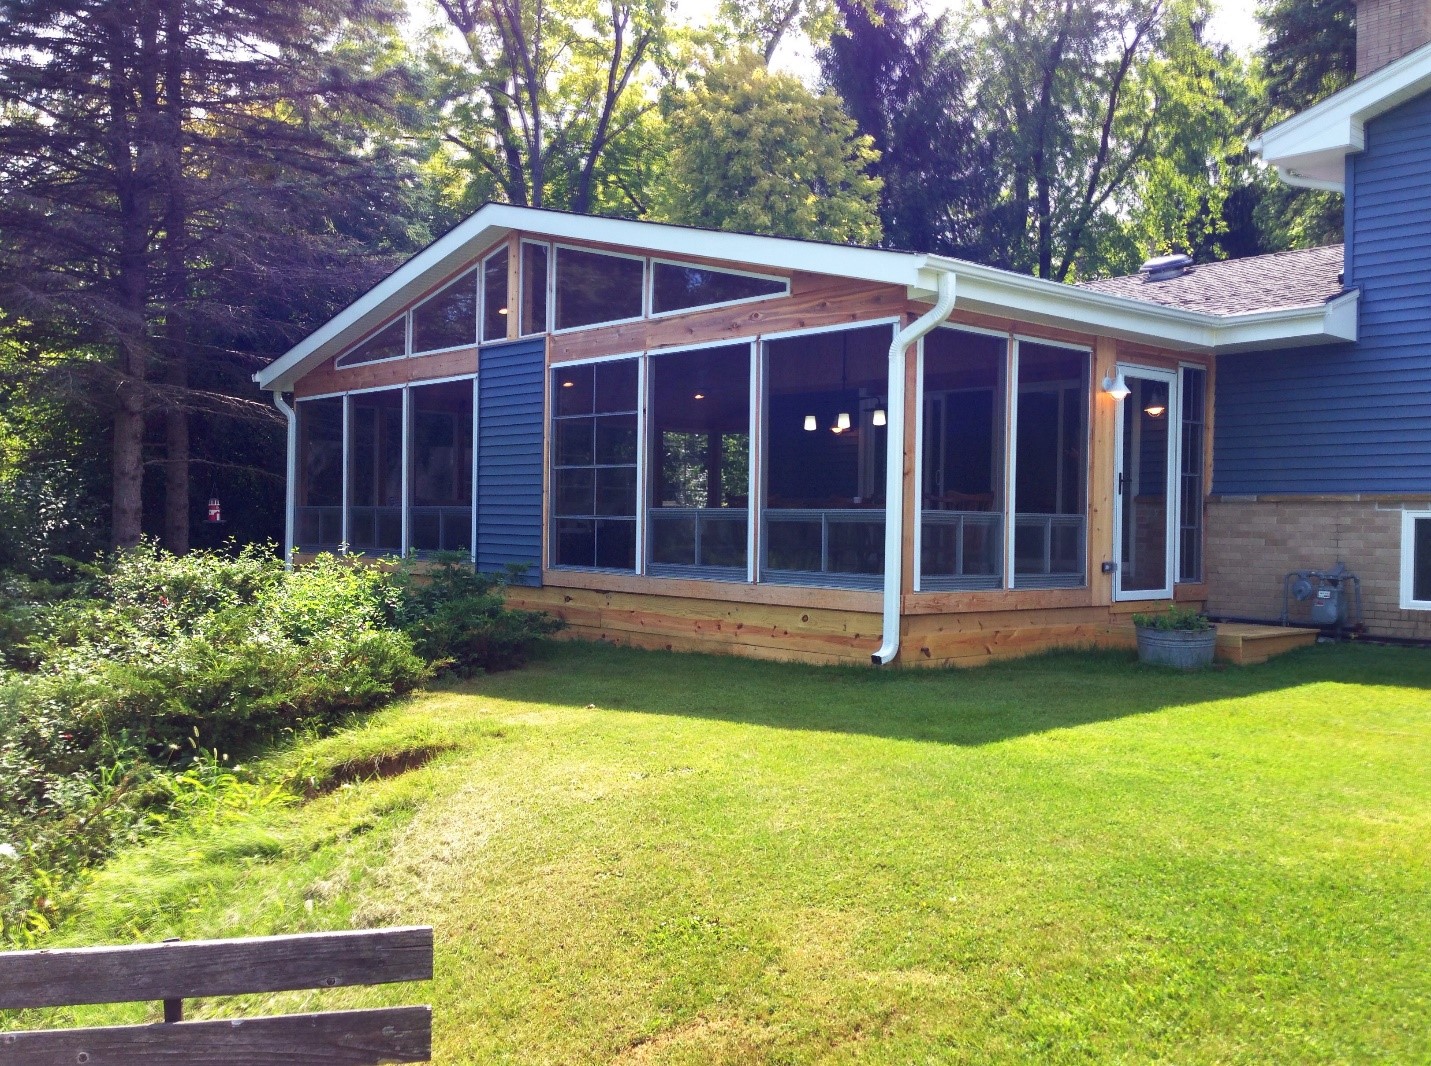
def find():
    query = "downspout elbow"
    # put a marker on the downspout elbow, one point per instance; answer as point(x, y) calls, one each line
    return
point(894, 463)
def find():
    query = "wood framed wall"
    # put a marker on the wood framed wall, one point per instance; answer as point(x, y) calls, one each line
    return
point(815, 624)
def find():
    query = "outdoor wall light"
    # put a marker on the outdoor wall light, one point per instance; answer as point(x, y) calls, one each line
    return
point(1116, 387)
point(810, 424)
point(878, 419)
point(842, 421)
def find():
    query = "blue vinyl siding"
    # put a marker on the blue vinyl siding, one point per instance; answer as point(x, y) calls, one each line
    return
point(1352, 417)
point(510, 415)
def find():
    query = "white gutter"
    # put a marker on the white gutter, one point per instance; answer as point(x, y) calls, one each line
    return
point(894, 463)
point(290, 509)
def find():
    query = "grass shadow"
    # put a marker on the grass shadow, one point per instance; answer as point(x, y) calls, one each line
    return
point(985, 705)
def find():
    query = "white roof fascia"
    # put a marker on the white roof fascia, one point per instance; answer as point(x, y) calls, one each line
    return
point(1310, 149)
point(996, 292)
point(461, 244)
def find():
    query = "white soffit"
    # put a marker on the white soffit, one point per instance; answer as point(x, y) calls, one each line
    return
point(1310, 149)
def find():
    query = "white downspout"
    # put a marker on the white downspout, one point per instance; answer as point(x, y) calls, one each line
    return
point(894, 464)
point(290, 479)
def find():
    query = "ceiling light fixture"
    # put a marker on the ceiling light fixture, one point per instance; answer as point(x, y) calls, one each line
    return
point(879, 418)
point(810, 424)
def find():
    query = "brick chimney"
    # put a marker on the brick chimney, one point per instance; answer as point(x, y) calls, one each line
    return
point(1386, 30)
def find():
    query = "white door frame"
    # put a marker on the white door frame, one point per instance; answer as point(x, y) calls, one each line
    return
point(1172, 516)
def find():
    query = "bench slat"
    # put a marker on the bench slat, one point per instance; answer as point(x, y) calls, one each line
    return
point(335, 1038)
point(193, 968)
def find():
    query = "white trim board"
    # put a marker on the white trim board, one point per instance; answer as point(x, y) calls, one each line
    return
point(1310, 149)
point(981, 288)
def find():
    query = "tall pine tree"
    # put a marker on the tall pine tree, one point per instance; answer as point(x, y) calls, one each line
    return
point(183, 182)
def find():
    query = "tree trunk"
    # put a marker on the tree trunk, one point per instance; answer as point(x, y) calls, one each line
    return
point(176, 478)
point(128, 492)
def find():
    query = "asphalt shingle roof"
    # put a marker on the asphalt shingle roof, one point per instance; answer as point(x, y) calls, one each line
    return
point(1276, 282)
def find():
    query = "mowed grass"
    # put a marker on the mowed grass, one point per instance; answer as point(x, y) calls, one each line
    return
point(649, 858)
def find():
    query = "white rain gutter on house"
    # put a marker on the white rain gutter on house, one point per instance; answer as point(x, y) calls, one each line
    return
point(290, 500)
point(945, 288)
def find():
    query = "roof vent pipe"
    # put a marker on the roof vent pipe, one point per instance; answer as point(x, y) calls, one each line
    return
point(894, 463)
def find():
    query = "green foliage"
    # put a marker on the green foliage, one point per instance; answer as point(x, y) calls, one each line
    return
point(1183, 619)
point(457, 620)
point(757, 152)
point(155, 659)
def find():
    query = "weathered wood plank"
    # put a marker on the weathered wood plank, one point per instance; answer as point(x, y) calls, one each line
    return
point(187, 969)
point(335, 1038)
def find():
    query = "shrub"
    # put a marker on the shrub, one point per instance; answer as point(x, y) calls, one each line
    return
point(1187, 619)
point(159, 658)
point(458, 620)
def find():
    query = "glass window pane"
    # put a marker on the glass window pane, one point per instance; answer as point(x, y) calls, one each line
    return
point(318, 495)
point(826, 434)
point(592, 287)
point(962, 480)
point(674, 288)
point(1051, 457)
point(440, 479)
point(1421, 561)
point(447, 320)
point(390, 342)
point(375, 471)
point(699, 456)
point(594, 476)
point(494, 297)
point(534, 289)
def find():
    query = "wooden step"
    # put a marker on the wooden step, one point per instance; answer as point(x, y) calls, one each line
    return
point(1244, 644)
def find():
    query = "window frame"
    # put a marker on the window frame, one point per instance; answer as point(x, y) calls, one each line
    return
point(405, 318)
point(754, 414)
point(481, 269)
point(549, 494)
point(650, 299)
point(555, 249)
point(405, 389)
point(475, 273)
point(1011, 469)
point(1005, 576)
point(1409, 518)
point(548, 287)
point(759, 476)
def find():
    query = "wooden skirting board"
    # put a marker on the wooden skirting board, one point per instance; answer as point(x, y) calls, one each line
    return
point(811, 635)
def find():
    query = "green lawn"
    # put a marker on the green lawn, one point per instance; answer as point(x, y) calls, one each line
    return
point(649, 858)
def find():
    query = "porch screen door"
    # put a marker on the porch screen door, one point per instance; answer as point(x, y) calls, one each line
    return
point(1146, 485)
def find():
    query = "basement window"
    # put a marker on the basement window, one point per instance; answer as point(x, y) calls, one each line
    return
point(1416, 561)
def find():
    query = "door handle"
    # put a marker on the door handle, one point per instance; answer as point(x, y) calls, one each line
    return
point(1120, 483)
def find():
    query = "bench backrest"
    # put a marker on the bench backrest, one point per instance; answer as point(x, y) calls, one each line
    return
point(178, 970)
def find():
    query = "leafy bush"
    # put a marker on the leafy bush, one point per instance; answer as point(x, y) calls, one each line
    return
point(1185, 619)
point(457, 619)
point(116, 691)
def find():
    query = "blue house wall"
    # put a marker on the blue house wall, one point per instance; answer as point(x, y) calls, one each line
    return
point(510, 391)
point(1350, 418)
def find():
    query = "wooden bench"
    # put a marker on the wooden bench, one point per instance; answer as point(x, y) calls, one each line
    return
point(174, 971)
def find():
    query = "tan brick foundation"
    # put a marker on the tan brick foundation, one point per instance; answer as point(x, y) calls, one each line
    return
point(1253, 542)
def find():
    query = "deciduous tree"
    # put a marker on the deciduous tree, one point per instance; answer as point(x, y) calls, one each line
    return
point(758, 152)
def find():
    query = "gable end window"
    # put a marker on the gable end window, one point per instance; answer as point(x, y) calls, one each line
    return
point(677, 287)
point(1416, 561)
point(594, 287)
point(448, 319)
point(390, 342)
